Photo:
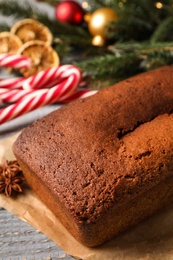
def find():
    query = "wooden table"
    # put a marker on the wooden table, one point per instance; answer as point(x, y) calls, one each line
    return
point(20, 241)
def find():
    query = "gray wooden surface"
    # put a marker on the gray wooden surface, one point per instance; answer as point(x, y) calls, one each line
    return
point(20, 241)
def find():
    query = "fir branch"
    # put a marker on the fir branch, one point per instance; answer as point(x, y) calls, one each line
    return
point(50, 2)
point(132, 29)
point(140, 47)
point(164, 31)
point(138, 20)
point(102, 3)
point(17, 10)
point(128, 59)
point(159, 58)
point(111, 68)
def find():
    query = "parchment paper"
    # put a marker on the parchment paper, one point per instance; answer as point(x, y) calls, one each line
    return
point(153, 239)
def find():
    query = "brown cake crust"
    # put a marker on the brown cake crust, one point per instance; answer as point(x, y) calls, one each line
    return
point(94, 161)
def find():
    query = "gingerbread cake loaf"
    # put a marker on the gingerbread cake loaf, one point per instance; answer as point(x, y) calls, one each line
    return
point(104, 163)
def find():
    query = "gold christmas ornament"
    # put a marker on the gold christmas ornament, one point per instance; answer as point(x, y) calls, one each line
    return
point(87, 17)
point(98, 40)
point(98, 23)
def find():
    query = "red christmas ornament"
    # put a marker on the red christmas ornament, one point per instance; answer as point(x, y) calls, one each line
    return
point(69, 12)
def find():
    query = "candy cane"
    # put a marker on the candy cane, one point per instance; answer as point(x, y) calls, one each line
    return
point(40, 98)
point(78, 94)
point(57, 84)
point(50, 77)
point(69, 80)
point(46, 78)
point(35, 100)
point(15, 61)
point(13, 95)
point(12, 83)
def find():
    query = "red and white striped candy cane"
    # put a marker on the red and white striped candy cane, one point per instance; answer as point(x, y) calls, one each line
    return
point(49, 86)
point(68, 83)
point(12, 83)
point(39, 98)
point(50, 77)
point(13, 95)
point(78, 94)
point(44, 79)
point(14, 60)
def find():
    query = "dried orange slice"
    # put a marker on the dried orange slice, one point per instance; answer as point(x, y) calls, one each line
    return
point(9, 43)
point(30, 29)
point(42, 56)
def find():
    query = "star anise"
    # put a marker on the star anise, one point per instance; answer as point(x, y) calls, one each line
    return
point(10, 177)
